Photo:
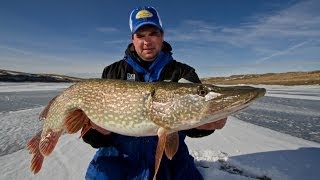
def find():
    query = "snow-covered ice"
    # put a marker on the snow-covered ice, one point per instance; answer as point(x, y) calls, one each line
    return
point(26, 86)
point(238, 151)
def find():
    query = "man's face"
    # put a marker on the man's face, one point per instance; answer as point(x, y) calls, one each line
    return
point(147, 42)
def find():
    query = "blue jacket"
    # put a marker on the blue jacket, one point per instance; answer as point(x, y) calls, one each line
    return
point(124, 157)
point(134, 158)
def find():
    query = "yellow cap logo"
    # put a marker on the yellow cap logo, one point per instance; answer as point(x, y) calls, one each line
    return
point(144, 14)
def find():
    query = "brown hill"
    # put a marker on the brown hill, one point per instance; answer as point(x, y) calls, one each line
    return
point(288, 78)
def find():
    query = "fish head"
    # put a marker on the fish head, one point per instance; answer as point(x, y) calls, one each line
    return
point(185, 106)
point(221, 102)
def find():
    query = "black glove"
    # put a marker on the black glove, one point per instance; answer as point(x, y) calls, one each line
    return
point(196, 133)
point(97, 139)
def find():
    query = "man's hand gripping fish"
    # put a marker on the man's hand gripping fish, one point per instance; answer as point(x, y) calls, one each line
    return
point(136, 109)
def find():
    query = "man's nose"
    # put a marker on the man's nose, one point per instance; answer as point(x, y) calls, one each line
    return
point(147, 40)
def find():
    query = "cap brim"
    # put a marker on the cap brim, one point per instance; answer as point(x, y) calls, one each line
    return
point(146, 23)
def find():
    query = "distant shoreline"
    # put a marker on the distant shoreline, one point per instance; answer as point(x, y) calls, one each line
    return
point(287, 79)
point(15, 76)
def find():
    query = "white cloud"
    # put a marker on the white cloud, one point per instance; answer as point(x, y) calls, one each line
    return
point(106, 29)
point(40, 62)
point(286, 36)
point(282, 52)
point(300, 21)
point(28, 53)
point(112, 42)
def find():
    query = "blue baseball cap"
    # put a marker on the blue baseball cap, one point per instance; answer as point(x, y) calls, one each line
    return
point(144, 16)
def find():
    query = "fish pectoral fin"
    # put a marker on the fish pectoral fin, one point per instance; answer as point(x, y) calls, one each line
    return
point(37, 157)
point(49, 141)
point(91, 125)
point(44, 113)
point(172, 145)
point(86, 127)
point(75, 120)
point(162, 137)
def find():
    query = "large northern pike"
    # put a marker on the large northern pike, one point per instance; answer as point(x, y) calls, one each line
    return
point(136, 109)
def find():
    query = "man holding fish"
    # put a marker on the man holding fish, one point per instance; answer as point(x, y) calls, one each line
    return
point(147, 59)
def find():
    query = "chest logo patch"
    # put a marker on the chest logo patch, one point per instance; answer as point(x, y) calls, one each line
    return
point(131, 77)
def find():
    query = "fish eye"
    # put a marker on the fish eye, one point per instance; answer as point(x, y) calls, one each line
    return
point(202, 91)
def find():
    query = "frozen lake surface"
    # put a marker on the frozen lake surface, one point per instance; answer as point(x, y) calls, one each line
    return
point(240, 150)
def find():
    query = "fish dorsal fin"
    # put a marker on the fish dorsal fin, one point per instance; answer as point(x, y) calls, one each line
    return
point(44, 113)
point(48, 141)
point(172, 145)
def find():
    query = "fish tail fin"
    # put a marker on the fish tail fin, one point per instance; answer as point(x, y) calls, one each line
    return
point(36, 162)
point(49, 141)
point(33, 144)
point(75, 120)
point(37, 158)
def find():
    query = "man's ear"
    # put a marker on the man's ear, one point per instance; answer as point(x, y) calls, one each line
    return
point(162, 34)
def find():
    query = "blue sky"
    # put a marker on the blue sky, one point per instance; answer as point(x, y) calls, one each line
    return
point(217, 38)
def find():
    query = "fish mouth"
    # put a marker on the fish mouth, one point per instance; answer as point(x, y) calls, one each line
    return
point(225, 106)
point(224, 102)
